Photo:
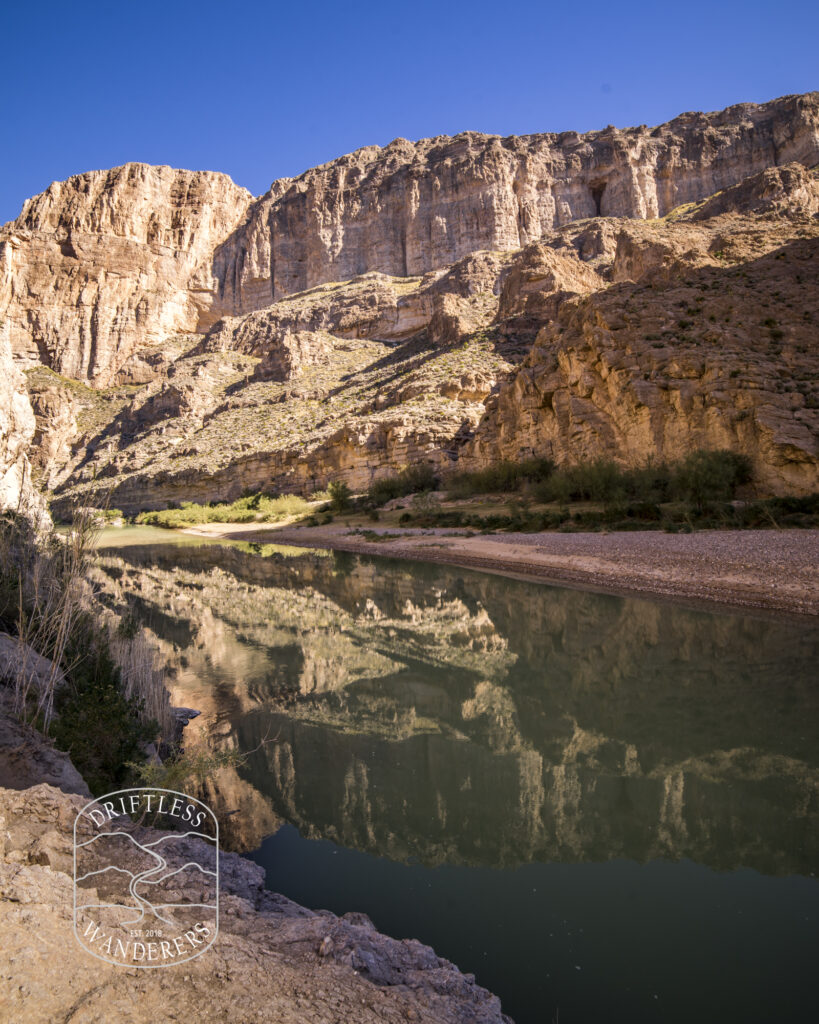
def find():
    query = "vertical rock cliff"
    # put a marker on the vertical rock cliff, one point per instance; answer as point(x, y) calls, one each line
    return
point(112, 261)
point(412, 207)
point(106, 262)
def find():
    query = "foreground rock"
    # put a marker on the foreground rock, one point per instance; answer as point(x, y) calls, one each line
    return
point(272, 960)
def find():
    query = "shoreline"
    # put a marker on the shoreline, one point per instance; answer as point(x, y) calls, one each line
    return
point(770, 570)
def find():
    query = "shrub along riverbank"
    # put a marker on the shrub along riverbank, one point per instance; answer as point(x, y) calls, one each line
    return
point(700, 491)
point(705, 490)
point(100, 696)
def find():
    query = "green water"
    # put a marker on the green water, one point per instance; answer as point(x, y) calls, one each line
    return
point(605, 808)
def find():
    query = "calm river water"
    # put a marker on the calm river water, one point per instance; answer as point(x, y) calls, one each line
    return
point(605, 808)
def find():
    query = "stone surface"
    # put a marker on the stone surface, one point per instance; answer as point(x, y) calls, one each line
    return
point(27, 759)
point(17, 425)
point(109, 261)
point(272, 959)
point(610, 337)
point(413, 207)
point(686, 357)
point(433, 269)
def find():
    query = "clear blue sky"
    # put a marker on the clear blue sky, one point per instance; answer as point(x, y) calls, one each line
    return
point(262, 90)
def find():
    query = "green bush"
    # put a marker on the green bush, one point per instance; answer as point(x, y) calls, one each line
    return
point(702, 476)
point(96, 724)
point(412, 480)
point(502, 477)
point(340, 496)
point(705, 476)
point(253, 508)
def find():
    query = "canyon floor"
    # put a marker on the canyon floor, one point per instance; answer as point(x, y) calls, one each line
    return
point(777, 570)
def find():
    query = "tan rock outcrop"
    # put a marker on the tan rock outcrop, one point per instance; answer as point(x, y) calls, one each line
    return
point(658, 369)
point(17, 426)
point(106, 262)
point(368, 369)
point(413, 207)
point(272, 959)
point(111, 261)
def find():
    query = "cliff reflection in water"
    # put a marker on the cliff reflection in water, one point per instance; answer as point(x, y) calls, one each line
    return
point(451, 716)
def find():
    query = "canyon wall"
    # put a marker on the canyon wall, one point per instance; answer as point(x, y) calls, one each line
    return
point(109, 261)
point(113, 261)
point(17, 422)
point(411, 207)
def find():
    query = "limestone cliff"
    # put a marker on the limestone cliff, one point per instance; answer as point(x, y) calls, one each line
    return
point(412, 207)
point(16, 431)
point(109, 261)
point(629, 293)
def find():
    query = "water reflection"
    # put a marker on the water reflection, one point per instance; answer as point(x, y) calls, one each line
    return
point(429, 713)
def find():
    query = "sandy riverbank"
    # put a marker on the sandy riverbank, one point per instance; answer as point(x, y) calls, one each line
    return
point(776, 570)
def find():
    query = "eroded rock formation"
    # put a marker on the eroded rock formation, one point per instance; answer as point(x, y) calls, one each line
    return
point(109, 261)
point(630, 294)
point(17, 427)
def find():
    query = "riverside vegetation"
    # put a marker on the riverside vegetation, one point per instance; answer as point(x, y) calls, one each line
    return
point(697, 492)
point(81, 672)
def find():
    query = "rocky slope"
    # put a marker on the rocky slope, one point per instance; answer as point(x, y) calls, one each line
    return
point(629, 293)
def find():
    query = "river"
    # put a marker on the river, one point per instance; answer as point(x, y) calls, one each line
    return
point(603, 807)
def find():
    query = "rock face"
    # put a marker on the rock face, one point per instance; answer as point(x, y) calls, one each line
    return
point(682, 354)
point(609, 337)
point(412, 207)
point(16, 431)
point(381, 310)
point(272, 959)
point(109, 261)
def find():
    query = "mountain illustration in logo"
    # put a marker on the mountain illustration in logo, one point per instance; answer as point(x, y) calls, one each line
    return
point(143, 897)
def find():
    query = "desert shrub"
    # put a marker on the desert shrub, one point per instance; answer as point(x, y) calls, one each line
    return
point(252, 508)
point(105, 696)
point(186, 769)
point(95, 723)
point(412, 480)
point(705, 476)
point(340, 496)
point(501, 477)
point(600, 480)
point(701, 477)
point(425, 503)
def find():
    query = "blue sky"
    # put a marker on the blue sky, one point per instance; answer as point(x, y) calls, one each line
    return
point(266, 90)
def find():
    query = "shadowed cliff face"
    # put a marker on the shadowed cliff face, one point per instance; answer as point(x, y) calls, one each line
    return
point(461, 718)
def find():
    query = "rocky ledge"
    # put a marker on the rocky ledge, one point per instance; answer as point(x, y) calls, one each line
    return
point(272, 960)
